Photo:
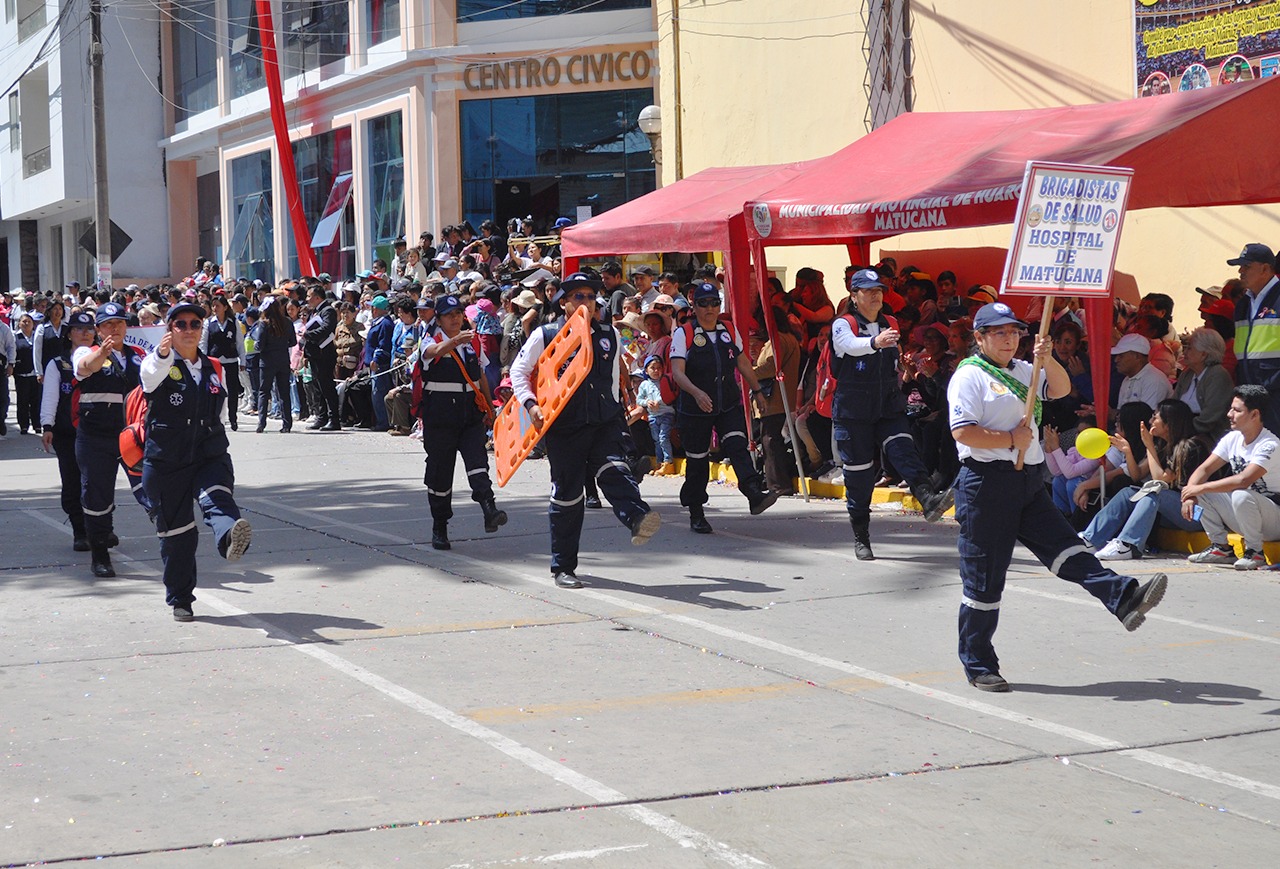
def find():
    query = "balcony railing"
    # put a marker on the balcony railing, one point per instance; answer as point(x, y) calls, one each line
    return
point(36, 162)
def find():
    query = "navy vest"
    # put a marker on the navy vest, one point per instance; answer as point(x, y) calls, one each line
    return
point(53, 343)
point(867, 385)
point(452, 402)
point(711, 363)
point(62, 424)
point(222, 340)
point(184, 418)
point(593, 402)
point(102, 394)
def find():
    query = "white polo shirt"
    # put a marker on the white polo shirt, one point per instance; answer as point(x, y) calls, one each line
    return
point(977, 398)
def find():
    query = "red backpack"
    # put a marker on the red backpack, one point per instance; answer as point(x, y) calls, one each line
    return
point(133, 438)
point(824, 395)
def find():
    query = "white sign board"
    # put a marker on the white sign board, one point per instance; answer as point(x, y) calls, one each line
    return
point(1067, 230)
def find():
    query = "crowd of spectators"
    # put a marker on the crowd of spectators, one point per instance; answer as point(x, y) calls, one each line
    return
point(507, 281)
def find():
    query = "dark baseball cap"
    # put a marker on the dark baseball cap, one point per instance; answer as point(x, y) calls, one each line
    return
point(865, 279)
point(447, 305)
point(644, 270)
point(995, 314)
point(81, 320)
point(1254, 253)
point(111, 311)
point(705, 291)
point(184, 308)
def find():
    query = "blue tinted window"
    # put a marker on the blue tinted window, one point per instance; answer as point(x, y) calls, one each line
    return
point(548, 155)
point(494, 10)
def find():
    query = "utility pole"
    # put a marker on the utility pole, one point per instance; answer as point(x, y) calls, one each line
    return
point(101, 209)
point(678, 115)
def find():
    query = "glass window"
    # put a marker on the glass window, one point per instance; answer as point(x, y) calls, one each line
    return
point(548, 155)
point(320, 160)
point(246, 47)
point(494, 10)
point(315, 34)
point(386, 177)
point(252, 247)
point(383, 20)
point(195, 57)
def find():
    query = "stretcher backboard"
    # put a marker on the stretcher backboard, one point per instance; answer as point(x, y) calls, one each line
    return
point(514, 435)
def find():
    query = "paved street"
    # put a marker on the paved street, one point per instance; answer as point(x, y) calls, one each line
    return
point(349, 697)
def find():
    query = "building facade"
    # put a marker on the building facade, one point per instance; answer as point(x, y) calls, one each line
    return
point(46, 152)
point(403, 117)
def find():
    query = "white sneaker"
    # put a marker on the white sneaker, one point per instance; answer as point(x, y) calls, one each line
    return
point(1117, 550)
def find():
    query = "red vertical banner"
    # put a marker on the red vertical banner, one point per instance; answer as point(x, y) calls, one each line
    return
point(280, 124)
point(1098, 318)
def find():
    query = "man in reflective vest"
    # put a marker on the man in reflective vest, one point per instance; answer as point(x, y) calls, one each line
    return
point(1257, 343)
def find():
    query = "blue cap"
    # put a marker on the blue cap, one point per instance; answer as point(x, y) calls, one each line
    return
point(578, 281)
point(995, 314)
point(1254, 253)
point(80, 320)
point(425, 302)
point(562, 222)
point(705, 290)
point(866, 279)
point(447, 305)
point(185, 308)
point(111, 311)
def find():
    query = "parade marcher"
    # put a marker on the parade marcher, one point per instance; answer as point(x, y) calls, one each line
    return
point(587, 436)
point(998, 505)
point(50, 340)
point(59, 431)
point(223, 340)
point(106, 376)
point(870, 411)
point(320, 350)
point(705, 355)
point(452, 422)
point(24, 374)
point(186, 456)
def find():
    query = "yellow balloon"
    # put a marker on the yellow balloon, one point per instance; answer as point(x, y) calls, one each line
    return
point(1093, 443)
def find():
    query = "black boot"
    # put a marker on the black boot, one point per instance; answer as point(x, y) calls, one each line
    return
point(493, 517)
point(698, 521)
point(79, 537)
point(761, 500)
point(440, 535)
point(933, 503)
point(862, 541)
point(102, 561)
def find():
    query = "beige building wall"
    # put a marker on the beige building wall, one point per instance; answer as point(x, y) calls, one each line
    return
point(763, 89)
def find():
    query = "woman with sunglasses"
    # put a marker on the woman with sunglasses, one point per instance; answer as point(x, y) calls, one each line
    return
point(186, 455)
point(998, 505)
point(586, 439)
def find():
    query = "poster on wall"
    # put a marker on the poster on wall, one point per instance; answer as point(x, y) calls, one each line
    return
point(1183, 45)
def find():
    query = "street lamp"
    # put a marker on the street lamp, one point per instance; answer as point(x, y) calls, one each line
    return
point(650, 122)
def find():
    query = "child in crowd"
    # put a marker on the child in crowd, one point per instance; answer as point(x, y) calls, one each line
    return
point(661, 415)
point(1068, 467)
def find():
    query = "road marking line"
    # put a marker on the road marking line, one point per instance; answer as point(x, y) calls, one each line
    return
point(683, 835)
point(1101, 742)
point(1174, 620)
point(562, 857)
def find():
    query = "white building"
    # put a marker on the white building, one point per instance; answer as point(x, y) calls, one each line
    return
point(46, 151)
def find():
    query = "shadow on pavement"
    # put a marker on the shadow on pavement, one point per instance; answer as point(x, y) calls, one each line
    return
point(690, 594)
point(290, 627)
point(1165, 690)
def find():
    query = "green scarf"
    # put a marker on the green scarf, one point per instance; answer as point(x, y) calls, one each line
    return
point(1006, 377)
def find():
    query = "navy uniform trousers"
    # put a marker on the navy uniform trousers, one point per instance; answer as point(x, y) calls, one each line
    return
point(996, 507)
point(730, 426)
point(64, 447)
point(174, 489)
point(857, 440)
point(595, 449)
point(98, 457)
point(444, 440)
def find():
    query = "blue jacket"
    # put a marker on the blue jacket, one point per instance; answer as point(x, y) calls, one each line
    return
point(377, 344)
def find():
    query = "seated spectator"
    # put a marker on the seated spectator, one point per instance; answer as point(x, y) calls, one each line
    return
point(1219, 315)
point(921, 294)
point(661, 415)
point(1204, 384)
point(1067, 350)
point(1174, 449)
point(949, 305)
point(1124, 464)
point(1243, 502)
point(1155, 330)
point(1142, 381)
point(1068, 467)
point(978, 295)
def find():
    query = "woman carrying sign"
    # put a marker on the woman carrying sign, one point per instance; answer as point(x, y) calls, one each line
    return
point(998, 505)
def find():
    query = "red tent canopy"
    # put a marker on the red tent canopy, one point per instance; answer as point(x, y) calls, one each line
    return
point(952, 169)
